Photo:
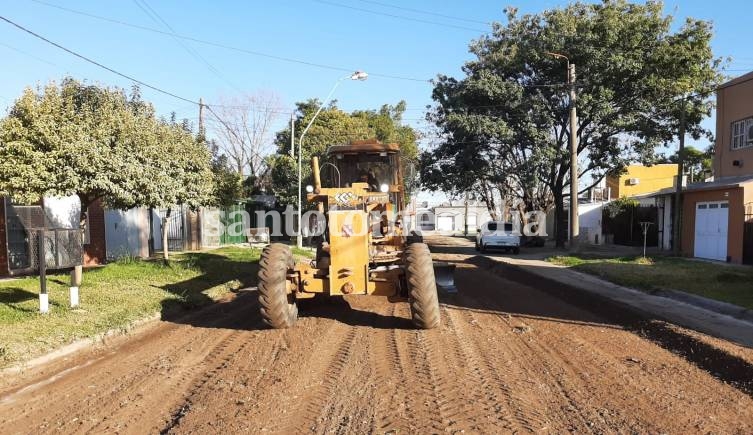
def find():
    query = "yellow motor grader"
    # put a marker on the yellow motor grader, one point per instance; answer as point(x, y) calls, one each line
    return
point(361, 248)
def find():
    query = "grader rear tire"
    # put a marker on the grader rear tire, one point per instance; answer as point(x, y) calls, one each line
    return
point(278, 309)
point(419, 272)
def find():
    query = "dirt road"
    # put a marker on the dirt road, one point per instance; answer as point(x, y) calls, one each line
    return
point(509, 357)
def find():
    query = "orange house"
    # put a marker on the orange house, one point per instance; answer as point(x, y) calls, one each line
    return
point(717, 217)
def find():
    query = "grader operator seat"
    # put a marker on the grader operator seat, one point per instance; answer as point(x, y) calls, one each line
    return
point(363, 250)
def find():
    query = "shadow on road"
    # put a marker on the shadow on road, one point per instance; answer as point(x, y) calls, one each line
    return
point(524, 294)
point(484, 285)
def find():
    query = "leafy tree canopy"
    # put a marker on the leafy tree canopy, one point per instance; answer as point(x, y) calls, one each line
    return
point(505, 124)
point(99, 143)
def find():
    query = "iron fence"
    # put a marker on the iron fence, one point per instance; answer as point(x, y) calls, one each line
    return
point(26, 227)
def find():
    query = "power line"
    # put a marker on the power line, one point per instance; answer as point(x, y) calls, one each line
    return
point(126, 76)
point(27, 54)
point(94, 62)
point(400, 17)
point(154, 16)
point(227, 47)
point(419, 11)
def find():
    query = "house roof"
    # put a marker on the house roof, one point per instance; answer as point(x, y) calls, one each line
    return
point(721, 183)
point(737, 80)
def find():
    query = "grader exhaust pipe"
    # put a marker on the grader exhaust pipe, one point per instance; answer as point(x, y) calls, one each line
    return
point(315, 173)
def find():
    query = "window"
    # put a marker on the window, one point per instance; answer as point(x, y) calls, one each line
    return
point(724, 205)
point(713, 205)
point(740, 133)
point(702, 206)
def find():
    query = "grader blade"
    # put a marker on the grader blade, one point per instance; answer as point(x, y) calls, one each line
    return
point(444, 274)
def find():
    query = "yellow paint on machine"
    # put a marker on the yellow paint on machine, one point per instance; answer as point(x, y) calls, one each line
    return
point(349, 252)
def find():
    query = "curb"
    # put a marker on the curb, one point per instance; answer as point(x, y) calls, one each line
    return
point(626, 303)
point(720, 307)
point(81, 344)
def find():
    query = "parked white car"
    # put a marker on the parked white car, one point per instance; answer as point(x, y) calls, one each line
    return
point(497, 235)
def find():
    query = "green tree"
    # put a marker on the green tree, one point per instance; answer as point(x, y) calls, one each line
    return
point(697, 163)
point(505, 124)
point(227, 182)
point(99, 144)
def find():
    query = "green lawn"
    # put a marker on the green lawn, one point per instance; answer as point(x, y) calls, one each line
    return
point(116, 295)
point(728, 283)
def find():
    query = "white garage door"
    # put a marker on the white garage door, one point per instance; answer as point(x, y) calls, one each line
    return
point(711, 221)
point(445, 223)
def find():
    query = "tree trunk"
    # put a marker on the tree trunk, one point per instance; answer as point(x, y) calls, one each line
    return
point(165, 220)
point(560, 228)
point(83, 222)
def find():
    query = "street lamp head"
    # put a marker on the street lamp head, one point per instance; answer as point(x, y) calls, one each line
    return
point(557, 55)
point(359, 75)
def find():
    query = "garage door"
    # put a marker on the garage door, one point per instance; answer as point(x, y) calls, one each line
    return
point(445, 223)
point(711, 221)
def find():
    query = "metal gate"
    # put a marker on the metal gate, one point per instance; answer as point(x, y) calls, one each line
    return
point(748, 235)
point(233, 225)
point(176, 229)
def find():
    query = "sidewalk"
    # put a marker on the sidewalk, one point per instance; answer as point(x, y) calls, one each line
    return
point(672, 310)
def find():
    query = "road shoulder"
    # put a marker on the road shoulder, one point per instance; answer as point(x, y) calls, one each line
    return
point(657, 306)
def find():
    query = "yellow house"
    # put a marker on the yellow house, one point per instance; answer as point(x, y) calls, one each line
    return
point(639, 180)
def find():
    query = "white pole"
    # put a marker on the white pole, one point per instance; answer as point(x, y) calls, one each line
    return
point(292, 135)
point(44, 303)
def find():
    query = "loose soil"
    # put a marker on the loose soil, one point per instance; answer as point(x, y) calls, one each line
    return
point(511, 356)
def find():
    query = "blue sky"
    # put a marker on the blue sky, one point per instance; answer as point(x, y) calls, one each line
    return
point(316, 31)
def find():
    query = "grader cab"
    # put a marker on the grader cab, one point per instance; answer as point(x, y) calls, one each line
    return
point(361, 247)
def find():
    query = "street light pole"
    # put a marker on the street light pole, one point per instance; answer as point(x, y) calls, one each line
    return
point(574, 221)
point(358, 75)
point(574, 224)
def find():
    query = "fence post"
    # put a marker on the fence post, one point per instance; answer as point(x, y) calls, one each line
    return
point(75, 283)
point(44, 301)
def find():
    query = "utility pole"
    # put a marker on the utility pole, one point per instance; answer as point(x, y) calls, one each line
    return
point(677, 206)
point(465, 220)
point(201, 116)
point(292, 135)
point(574, 224)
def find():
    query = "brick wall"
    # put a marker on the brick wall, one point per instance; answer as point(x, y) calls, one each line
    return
point(3, 240)
point(95, 250)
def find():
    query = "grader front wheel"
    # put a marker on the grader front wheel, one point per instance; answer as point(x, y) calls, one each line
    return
point(278, 309)
point(419, 271)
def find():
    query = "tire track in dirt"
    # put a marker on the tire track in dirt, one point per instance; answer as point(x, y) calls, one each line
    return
point(600, 386)
point(503, 411)
point(440, 383)
point(566, 407)
point(331, 368)
point(222, 356)
point(124, 388)
point(394, 408)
